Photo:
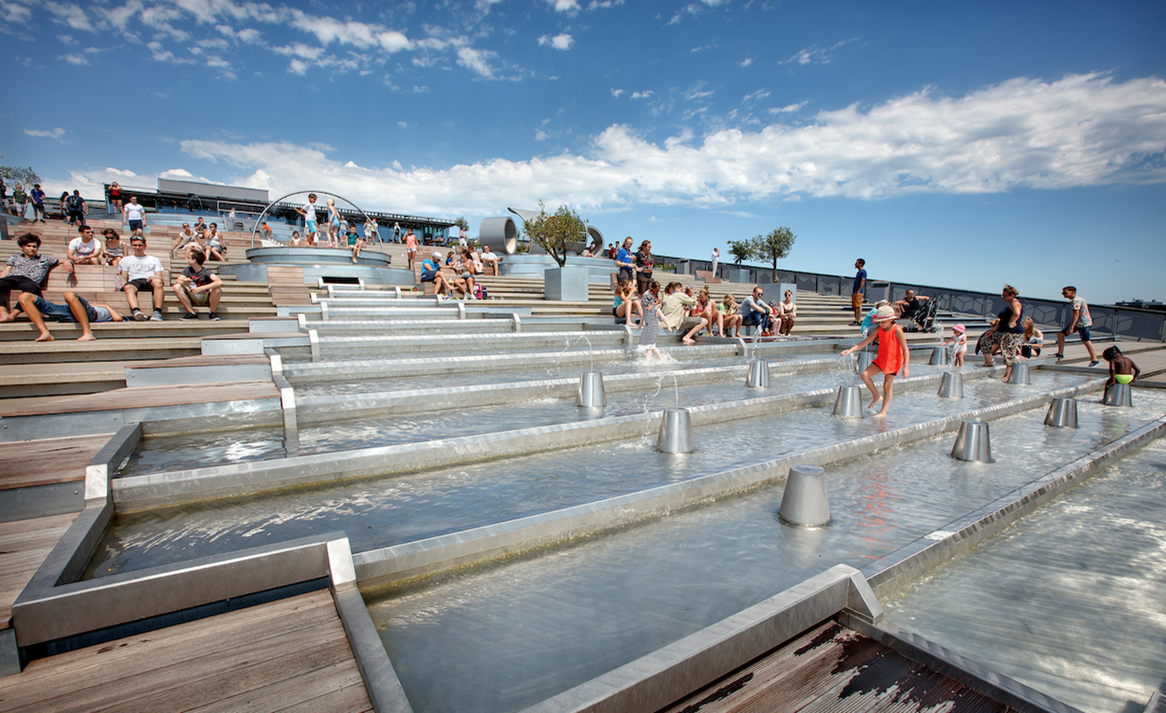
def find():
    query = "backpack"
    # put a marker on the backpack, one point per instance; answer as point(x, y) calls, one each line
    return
point(73, 203)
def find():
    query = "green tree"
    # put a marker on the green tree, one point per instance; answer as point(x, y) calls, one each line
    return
point(741, 250)
point(15, 174)
point(556, 232)
point(462, 223)
point(773, 246)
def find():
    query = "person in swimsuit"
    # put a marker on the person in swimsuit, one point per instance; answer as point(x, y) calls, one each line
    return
point(333, 224)
point(893, 356)
point(959, 342)
point(1122, 369)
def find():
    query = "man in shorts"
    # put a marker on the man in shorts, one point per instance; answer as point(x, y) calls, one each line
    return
point(75, 208)
point(1077, 319)
point(197, 285)
point(38, 203)
point(308, 210)
point(491, 259)
point(142, 272)
point(75, 309)
point(858, 291)
point(135, 215)
point(25, 272)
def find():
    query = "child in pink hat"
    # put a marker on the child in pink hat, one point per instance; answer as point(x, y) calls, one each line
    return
point(959, 340)
point(892, 358)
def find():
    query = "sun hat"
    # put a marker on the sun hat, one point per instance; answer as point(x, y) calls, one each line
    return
point(436, 254)
point(958, 328)
point(882, 314)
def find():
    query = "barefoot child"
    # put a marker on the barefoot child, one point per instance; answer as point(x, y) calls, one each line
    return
point(651, 316)
point(959, 342)
point(1122, 369)
point(893, 355)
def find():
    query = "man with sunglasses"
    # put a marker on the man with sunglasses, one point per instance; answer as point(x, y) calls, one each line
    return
point(85, 249)
point(142, 272)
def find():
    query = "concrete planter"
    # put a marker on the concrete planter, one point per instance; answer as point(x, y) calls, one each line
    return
point(565, 284)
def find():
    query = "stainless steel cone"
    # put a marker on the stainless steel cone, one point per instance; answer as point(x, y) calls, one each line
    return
point(951, 385)
point(938, 356)
point(848, 402)
point(675, 432)
point(805, 503)
point(973, 442)
point(1062, 413)
point(864, 360)
point(591, 392)
point(1119, 395)
point(758, 374)
point(1019, 374)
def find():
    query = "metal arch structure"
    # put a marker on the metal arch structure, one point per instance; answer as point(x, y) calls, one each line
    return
point(259, 220)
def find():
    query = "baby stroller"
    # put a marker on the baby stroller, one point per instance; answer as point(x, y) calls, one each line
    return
point(923, 318)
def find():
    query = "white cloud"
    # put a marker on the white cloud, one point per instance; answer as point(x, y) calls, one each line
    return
point(54, 134)
point(568, 6)
point(67, 39)
point(642, 95)
point(176, 173)
point(1082, 130)
point(15, 12)
point(822, 55)
point(559, 42)
point(754, 96)
point(616, 93)
point(476, 60)
point(789, 108)
point(70, 14)
point(746, 62)
point(74, 59)
point(402, 124)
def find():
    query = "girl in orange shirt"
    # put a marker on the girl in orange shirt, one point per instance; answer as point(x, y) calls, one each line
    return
point(893, 355)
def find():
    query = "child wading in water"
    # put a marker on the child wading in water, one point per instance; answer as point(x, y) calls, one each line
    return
point(651, 316)
point(959, 342)
point(1122, 369)
point(893, 355)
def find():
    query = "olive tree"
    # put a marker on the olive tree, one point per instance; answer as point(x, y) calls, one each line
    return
point(741, 250)
point(555, 232)
point(773, 246)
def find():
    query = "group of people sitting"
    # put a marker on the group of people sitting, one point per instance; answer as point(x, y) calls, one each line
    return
point(681, 309)
point(203, 237)
point(463, 266)
point(26, 275)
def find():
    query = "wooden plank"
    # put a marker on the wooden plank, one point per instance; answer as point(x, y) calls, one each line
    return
point(277, 655)
point(49, 460)
point(192, 639)
point(142, 397)
point(26, 543)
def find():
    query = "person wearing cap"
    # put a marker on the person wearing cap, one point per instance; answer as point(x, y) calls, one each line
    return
point(892, 357)
point(959, 342)
point(431, 272)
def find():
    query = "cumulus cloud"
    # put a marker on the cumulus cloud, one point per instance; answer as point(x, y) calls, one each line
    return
point(70, 14)
point(1082, 130)
point(568, 6)
point(476, 60)
point(616, 93)
point(559, 42)
point(15, 12)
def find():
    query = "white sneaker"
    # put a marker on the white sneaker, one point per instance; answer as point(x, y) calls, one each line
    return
point(156, 317)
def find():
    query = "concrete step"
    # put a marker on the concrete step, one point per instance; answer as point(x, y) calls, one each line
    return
point(62, 351)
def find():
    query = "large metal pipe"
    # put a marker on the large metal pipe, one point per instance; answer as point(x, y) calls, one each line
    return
point(500, 233)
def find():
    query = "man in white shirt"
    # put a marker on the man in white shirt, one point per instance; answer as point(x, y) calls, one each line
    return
point(491, 259)
point(85, 250)
point(133, 213)
point(142, 272)
point(308, 210)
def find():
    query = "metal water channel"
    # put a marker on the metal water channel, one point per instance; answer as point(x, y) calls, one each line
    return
point(1070, 600)
point(380, 512)
point(341, 432)
point(506, 636)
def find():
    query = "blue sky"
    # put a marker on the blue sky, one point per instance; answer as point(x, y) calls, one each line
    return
point(958, 144)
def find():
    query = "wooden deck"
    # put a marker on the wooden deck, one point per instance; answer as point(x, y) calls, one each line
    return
point(832, 668)
point(47, 460)
point(289, 655)
point(23, 547)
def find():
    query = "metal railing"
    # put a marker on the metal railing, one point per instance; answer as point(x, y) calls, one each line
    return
point(1126, 322)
